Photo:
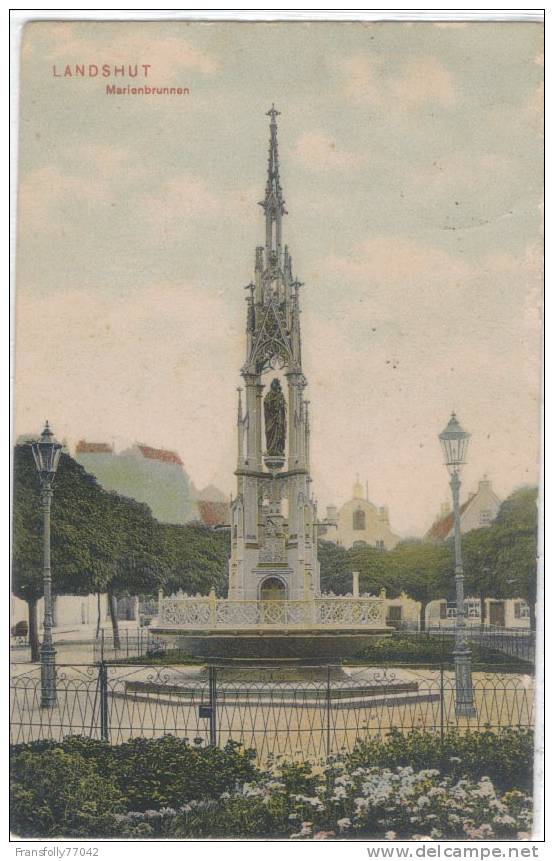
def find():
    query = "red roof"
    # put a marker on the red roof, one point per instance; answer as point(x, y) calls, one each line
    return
point(160, 454)
point(84, 447)
point(213, 513)
point(441, 528)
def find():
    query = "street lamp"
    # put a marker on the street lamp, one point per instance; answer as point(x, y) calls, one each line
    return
point(454, 441)
point(46, 452)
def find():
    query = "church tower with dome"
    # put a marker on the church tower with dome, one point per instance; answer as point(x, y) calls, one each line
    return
point(273, 516)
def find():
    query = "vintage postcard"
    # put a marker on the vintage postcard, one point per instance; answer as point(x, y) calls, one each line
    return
point(277, 431)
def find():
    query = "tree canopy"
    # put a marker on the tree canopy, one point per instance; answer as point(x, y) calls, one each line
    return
point(104, 542)
point(500, 561)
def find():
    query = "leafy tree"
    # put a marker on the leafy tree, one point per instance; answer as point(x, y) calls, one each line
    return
point(335, 568)
point(127, 555)
point(482, 574)
point(423, 571)
point(100, 541)
point(195, 558)
point(515, 530)
point(73, 515)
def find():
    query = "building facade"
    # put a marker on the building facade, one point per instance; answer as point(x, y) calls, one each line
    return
point(273, 515)
point(151, 475)
point(359, 522)
point(479, 510)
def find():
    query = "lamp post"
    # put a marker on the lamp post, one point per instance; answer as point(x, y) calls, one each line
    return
point(454, 441)
point(46, 452)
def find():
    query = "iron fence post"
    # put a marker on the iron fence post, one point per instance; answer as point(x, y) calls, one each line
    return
point(442, 705)
point(212, 672)
point(102, 645)
point(328, 713)
point(104, 714)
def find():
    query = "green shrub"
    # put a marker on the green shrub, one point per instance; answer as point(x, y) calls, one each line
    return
point(506, 756)
point(154, 773)
point(59, 794)
point(404, 647)
point(168, 771)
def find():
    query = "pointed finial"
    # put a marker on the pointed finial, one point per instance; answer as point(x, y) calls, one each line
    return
point(273, 201)
point(47, 434)
point(273, 112)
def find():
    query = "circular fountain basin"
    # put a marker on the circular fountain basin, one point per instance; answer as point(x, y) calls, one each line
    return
point(263, 644)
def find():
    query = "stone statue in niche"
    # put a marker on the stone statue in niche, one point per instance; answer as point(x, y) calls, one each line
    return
point(275, 415)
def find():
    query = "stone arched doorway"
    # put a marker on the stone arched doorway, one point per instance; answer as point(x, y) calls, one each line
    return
point(273, 589)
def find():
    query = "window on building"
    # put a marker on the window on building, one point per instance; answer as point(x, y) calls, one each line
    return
point(521, 610)
point(358, 519)
point(380, 544)
point(472, 609)
point(485, 517)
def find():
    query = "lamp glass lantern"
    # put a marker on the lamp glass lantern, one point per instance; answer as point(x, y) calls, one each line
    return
point(46, 452)
point(454, 441)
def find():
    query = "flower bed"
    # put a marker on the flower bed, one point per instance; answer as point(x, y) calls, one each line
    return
point(370, 802)
point(384, 789)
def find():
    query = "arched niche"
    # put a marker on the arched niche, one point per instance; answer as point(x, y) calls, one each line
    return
point(273, 589)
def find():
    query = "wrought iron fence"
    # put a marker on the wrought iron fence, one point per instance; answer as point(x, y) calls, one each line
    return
point(138, 643)
point(516, 642)
point(301, 713)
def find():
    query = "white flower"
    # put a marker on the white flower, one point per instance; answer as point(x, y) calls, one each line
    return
point(344, 824)
point(504, 820)
point(390, 835)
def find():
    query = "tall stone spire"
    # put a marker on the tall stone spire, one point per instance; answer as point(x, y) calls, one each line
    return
point(273, 203)
point(273, 515)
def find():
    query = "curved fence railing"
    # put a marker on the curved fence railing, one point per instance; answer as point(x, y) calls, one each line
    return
point(302, 713)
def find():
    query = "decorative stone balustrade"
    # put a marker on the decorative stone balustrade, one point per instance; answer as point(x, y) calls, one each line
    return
point(211, 612)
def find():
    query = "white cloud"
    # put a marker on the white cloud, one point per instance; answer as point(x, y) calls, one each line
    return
point(418, 81)
point(319, 152)
point(44, 191)
point(189, 196)
point(95, 43)
point(121, 363)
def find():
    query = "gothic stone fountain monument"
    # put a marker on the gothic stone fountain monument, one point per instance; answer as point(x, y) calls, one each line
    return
point(274, 609)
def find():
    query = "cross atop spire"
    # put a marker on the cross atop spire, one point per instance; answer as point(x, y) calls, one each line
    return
point(273, 203)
